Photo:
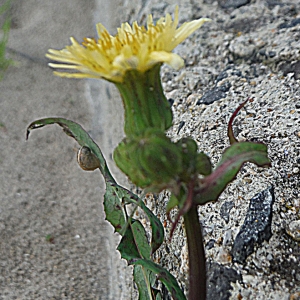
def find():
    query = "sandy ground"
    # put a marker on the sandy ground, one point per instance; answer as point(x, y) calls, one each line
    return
point(53, 238)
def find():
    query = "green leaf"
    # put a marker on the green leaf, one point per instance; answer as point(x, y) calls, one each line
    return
point(163, 275)
point(134, 243)
point(5, 7)
point(113, 207)
point(171, 203)
point(144, 280)
point(158, 296)
point(115, 194)
point(5, 28)
point(135, 249)
point(75, 131)
point(157, 234)
point(232, 160)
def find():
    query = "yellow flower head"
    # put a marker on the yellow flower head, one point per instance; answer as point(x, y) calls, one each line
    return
point(133, 47)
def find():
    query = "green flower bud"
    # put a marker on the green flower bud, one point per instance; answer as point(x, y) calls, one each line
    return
point(126, 159)
point(151, 161)
point(159, 157)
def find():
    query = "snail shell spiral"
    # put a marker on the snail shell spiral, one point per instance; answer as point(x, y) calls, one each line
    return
point(87, 160)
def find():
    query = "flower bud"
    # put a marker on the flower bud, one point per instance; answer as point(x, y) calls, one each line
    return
point(159, 157)
point(149, 161)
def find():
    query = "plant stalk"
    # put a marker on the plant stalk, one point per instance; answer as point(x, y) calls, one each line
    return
point(197, 266)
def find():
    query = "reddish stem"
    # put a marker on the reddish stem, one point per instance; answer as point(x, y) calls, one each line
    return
point(230, 133)
point(197, 266)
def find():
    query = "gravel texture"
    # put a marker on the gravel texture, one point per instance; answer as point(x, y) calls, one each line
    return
point(247, 52)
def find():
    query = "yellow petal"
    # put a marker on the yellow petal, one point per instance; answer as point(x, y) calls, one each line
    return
point(171, 59)
point(187, 29)
point(133, 47)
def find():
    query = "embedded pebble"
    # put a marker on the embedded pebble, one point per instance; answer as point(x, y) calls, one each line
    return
point(214, 94)
point(224, 256)
point(289, 24)
point(219, 279)
point(256, 227)
point(210, 244)
point(227, 237)
point(225, 210)
point(232, 3)
point(293, 230)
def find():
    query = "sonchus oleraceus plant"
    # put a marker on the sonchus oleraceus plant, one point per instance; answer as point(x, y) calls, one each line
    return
point(132, 60)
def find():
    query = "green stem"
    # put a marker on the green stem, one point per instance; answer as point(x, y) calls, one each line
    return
point(144, 102)
point(197, 267)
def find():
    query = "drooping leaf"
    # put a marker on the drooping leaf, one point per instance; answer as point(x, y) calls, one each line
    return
point(163, 275)
point(115, 194)
point(75, 131)
point(232, 160)
point(134, 243)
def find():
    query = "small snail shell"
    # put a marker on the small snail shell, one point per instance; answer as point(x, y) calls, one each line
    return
point(87, 160)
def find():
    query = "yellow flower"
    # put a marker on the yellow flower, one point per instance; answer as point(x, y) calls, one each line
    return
point(133, 47)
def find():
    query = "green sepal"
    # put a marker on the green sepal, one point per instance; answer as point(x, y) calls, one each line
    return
point(203, 164)
point(188, 148)
point(193, 163)
point(126, 159)
point(159, 157)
